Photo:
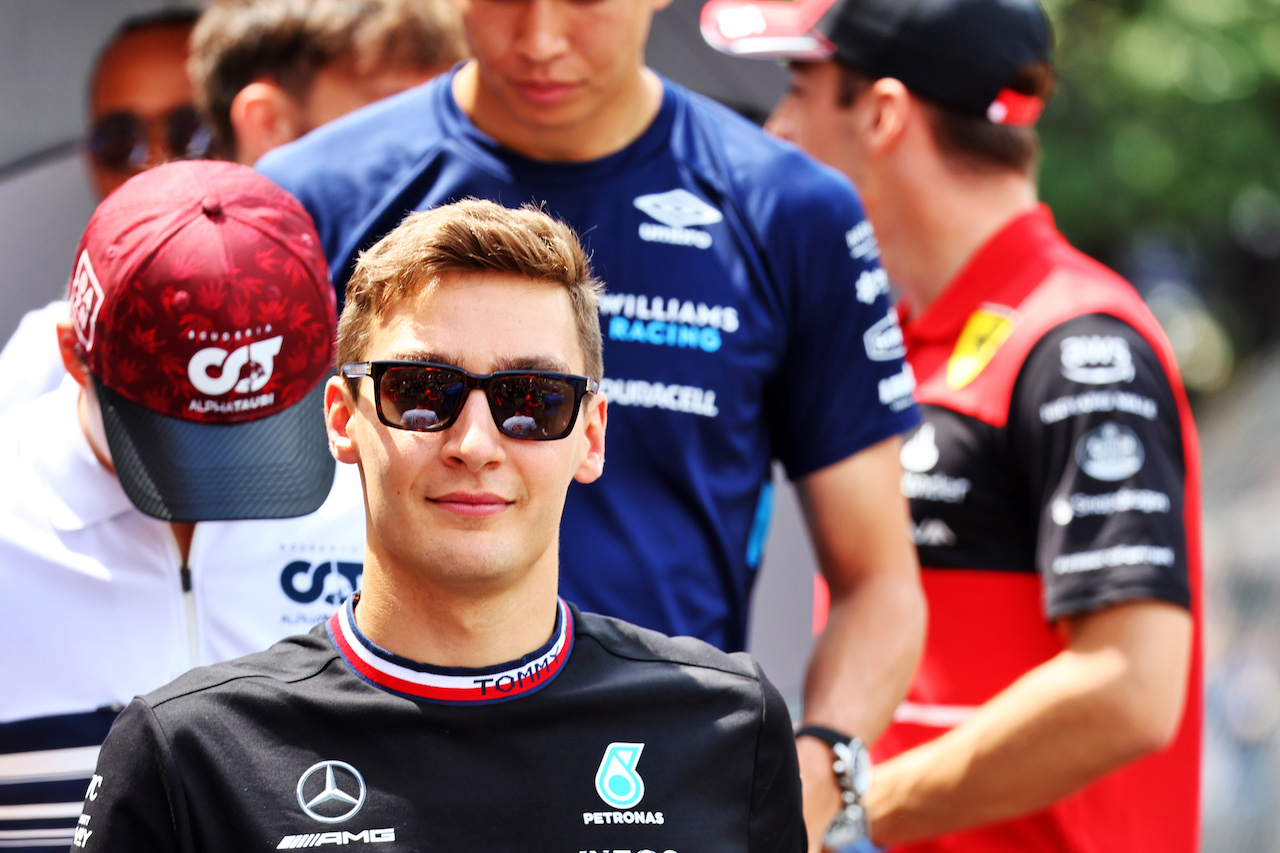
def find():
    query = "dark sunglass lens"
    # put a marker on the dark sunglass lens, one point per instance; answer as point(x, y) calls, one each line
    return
point(187, 135)
point(419, 398)
point(119, 141)
point(532, 406)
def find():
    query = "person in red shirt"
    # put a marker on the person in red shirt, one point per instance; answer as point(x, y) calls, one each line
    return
point(1055, 483)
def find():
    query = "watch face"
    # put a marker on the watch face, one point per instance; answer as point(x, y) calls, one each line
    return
point(860, 775)
point(853, 768)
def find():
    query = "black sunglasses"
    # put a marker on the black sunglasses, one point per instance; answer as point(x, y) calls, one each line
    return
point(121, 141)
point(536, 405)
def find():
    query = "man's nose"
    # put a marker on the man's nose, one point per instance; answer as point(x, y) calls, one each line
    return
point(157, 147)
point(473, 439)
point(780, 122)
point(543, 33)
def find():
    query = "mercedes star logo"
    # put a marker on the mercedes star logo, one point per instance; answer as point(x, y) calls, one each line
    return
point(331, 804)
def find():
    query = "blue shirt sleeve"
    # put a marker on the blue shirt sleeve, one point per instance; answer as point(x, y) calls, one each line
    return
point(843, 384)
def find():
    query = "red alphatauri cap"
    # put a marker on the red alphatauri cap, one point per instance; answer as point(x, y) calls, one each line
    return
point(962, 53)
point(201, 301)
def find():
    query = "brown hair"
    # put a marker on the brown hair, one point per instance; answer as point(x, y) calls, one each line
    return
point(968, 140)
point(239, 41)
point(470, 236)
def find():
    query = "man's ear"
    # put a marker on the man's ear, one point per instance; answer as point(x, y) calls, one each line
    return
point(263, 116)
point(339, 418)
point(596, 413)
point(69, 349)
point(891, 106)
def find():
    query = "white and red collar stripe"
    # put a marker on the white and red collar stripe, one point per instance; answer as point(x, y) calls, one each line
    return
point(404, 677)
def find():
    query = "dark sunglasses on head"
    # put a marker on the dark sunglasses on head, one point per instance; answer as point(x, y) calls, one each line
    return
point(537, 405)
point(121, 141)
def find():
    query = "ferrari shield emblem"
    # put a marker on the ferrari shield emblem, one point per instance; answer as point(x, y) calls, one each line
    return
point(985, 332)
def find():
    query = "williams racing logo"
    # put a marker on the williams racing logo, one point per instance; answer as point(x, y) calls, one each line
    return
point(621, 786)
point(677, 210)
point(670, 322)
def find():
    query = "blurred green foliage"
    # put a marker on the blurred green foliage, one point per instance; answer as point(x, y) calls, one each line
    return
point(1166, 120)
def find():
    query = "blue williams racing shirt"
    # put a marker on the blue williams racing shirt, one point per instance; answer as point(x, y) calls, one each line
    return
point(746, 319)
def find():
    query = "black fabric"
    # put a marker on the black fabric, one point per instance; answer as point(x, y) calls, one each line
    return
point(959, 52)
point(1017, 498)
point(176, 470)
point(214, 761)
point(1094, 427)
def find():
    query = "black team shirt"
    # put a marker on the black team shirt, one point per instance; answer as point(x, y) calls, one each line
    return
point(610, 737)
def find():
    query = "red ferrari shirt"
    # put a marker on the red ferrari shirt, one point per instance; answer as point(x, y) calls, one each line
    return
point(1056, 474)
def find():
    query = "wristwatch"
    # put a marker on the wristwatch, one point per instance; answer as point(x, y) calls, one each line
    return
point(852, 766)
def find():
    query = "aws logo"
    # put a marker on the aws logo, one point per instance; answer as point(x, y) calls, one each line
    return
point(330, 582)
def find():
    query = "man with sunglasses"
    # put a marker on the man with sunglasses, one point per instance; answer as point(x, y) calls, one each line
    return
point(141, 103)
point(1055, 481)
point(746, 322)
point(457, 703)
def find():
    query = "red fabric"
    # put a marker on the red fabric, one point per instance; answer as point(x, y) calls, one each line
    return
point(201, 292)
point(1015, 109)
point(987, 628)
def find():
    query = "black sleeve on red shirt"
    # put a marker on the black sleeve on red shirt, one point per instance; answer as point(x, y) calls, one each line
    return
point(777, 811)
point(130, 804)
point(1094, 425)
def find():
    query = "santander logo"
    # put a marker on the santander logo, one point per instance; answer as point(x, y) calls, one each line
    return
point(258, 356)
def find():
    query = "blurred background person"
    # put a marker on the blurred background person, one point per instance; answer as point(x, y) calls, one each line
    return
point(141, 104)
point(1055, 482)
point(268, 71)
point(141, 113)
point(173, 502)
point(265, 72)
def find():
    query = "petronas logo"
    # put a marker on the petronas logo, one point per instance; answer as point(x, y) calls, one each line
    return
point(617, 781)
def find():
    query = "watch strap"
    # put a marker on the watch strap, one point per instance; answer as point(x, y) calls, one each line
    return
point(830, 736)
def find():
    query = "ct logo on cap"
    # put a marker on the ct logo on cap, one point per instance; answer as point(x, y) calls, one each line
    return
point(259, 355)
point(617, 781)
point(334, 795)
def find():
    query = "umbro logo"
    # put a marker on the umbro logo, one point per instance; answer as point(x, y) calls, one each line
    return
point(677, 210)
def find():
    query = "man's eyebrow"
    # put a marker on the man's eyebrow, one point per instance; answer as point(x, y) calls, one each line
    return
point(532, 362)
point(521, 362)
point(421, 355)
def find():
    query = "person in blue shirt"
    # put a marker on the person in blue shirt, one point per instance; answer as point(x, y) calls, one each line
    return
point(747, 320)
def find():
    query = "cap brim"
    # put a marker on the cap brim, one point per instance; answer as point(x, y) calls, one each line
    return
point(176, 470)
point(767, 29)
